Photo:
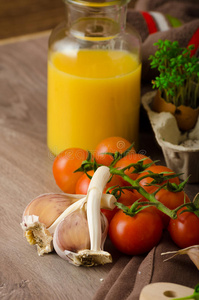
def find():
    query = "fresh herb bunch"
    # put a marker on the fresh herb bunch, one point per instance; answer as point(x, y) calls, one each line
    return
point(178, 79)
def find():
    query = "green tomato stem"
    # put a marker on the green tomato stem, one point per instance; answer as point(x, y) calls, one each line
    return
point(150, 197)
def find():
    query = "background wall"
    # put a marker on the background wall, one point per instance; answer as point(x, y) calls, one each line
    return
point(20, 17)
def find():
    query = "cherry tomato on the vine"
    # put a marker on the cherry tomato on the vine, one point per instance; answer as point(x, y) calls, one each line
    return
point(155, 169)
point(64, 166)
point(109, 213)
point(127, 198)
point(112, 145)
point(84, 181)
point(184, 230)
point(132, 158)
point(171, 200)
point(138, 234)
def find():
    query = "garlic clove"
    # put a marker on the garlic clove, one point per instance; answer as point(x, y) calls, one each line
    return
point(73, 233)
point(40, 214)
point(50, 206)
point(71, 240)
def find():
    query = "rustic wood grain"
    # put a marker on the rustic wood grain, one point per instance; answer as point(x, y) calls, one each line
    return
point(27, 16)
point(26, 172)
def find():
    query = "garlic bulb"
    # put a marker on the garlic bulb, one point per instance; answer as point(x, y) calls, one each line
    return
point(45, 212)
point(79, 237)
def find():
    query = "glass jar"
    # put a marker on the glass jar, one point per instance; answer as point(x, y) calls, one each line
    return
point(94, 70)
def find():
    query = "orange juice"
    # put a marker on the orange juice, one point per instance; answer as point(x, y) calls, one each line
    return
point(92, 94)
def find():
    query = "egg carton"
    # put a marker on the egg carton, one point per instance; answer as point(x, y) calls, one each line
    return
point(181, 150)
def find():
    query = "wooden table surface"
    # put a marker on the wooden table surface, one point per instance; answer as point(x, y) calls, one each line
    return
point(26, 172)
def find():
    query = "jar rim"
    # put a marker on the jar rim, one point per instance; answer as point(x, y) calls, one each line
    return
point(98, 3)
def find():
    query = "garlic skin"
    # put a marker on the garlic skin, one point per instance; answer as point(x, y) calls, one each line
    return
point(79, 238)
point(192, 252)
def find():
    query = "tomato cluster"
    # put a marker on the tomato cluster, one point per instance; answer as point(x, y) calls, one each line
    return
point(139, 233)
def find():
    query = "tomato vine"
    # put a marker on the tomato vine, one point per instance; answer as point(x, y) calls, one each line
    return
point(160, 180)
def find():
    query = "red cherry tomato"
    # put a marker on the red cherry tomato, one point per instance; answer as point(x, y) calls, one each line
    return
point(109, 213)
point(84, 181)
point(184, 230)
point(155, 169)
point(136, 235)
point(64, 166)
point(127, 198)
point(171, 200)
point(112, 145)
point(132, 159)
point(115, 181)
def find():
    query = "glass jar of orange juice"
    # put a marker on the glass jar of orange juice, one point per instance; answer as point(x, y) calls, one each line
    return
point(94, 70)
